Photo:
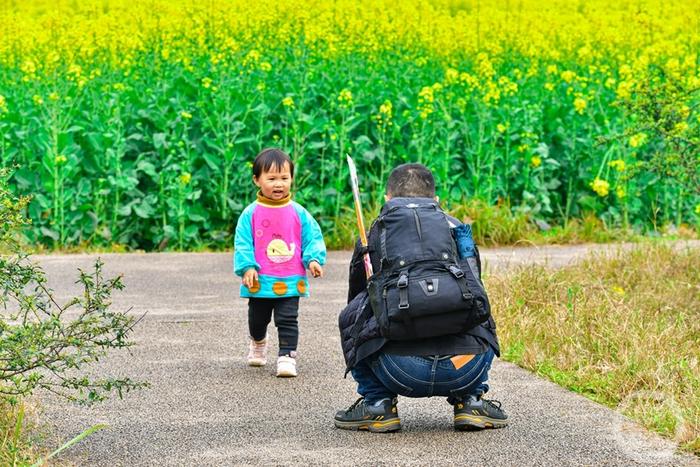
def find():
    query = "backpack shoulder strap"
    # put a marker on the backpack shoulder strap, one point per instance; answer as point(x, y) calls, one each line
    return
point(478, 260)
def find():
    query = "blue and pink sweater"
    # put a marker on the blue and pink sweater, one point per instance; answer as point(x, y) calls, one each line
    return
point(279, 239)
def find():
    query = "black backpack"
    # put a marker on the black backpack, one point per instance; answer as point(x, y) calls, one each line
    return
point(422, 288)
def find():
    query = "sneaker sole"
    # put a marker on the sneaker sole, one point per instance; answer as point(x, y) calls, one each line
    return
point(373, 426)
point(257, 362)
point(465, 422)
point(286, 374)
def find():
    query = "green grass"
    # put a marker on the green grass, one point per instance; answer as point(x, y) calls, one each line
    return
point(622, 329)
point(16, 426)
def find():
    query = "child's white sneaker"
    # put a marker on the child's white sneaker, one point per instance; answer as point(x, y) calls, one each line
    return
point(286, 366)
point(257, 352)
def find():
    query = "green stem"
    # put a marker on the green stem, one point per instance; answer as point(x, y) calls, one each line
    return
point(445, 165)
point(477, 162)
point(181, 218)
point(339, 177)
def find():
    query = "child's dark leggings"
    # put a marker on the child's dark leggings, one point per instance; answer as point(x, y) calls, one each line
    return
point(286, 312)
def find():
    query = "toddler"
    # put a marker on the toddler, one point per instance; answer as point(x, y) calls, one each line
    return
point(276, 241)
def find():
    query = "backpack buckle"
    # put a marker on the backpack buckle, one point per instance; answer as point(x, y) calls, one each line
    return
point(455, 271)
point(402, 283)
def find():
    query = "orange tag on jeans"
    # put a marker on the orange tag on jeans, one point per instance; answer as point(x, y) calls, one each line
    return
point(460, 360)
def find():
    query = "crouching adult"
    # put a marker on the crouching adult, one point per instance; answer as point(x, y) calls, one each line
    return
point(421, 325)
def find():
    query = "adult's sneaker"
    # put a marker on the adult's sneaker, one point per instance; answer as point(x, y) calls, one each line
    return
point(380, 417)
point(257, 352)
point(286, 366)
point(475, 413)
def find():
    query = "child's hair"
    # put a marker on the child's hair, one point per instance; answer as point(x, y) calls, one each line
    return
point(269, 157)
point(411, 181)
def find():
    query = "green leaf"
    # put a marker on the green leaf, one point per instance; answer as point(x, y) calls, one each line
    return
point(143, 210)
point(25, 178)
point(124, 210)
point(212, 161)
point(52, 234)
point(70, 443)
point(147, 168)
point(159, 141)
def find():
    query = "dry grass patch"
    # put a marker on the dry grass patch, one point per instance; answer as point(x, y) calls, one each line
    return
point(621, 329)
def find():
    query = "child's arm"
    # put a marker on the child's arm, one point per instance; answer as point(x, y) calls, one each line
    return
point(313, 248)
point(244, 255)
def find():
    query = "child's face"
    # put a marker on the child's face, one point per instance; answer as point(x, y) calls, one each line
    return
point(275, 183)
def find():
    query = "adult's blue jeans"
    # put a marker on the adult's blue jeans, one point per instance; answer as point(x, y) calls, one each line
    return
point(385, 375)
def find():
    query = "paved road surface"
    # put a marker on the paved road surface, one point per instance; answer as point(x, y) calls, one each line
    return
point(206, 407)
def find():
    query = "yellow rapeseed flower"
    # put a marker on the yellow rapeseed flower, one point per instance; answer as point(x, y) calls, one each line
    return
point(618, 290)
point(492, 95)
point(624, 90)
point(580, 105)
point(206, 82)
point(617, 164)
point(386, 109)
point(37, 99)
point(620, 192)
point(185, 178)
point(697, 209)
point(502, 128)
point(185, 115)
point(468, 80)
point(681, 127)
point(345, 98)
point(75, 71)
point(252, 57)
point(28, 67)
point(426, 98)
point(3, 104)
point(288, 102)
point(451, 75)
point(568, 76)
point(426, 94)
point(60, 159)
point(601, 187)
point(535, 161)
point(638, 140)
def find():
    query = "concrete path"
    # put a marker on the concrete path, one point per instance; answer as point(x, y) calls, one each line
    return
point(206, 407)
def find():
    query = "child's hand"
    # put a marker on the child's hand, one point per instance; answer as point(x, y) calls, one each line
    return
point(316, 269)
point(250, 278)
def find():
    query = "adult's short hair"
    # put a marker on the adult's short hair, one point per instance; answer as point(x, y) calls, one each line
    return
point(411, 181)
point(271, 157)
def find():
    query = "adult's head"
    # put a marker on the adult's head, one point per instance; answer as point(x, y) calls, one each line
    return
point(410, 181)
